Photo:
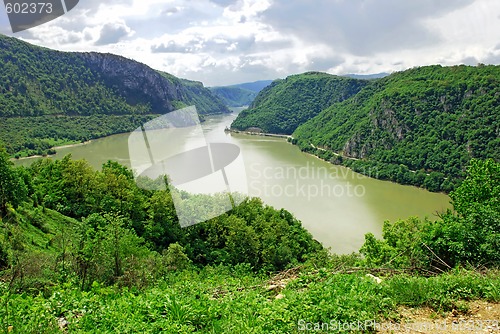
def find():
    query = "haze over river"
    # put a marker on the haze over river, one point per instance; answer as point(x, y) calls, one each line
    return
point(335, 204)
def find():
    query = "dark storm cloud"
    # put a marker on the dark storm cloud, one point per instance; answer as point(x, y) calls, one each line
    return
point(361, 27)
point(111, 34)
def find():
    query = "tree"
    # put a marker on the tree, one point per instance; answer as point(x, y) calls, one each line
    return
point(174, 257)
point(481, 187)
point(12, 188)
point(472, 233)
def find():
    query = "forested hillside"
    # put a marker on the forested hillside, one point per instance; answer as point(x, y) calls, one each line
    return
point(88, 203)
point(285, 104)
point(85, 251)
point(36, 81)
point(421, 126)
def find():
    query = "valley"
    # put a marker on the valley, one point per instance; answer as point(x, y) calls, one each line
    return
point(382, 199)
point(335, 204)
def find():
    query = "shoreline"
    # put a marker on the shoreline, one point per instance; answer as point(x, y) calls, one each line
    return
point(51, 155)
point(73, 145)
point(252, 133)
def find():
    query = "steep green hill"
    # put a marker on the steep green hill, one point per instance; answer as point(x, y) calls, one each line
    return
point(285, 104)
point(430, 119)
point(55, 85)
point(36, 81)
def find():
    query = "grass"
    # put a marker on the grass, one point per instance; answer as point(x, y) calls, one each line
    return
point(444, 292)
point(234, 300)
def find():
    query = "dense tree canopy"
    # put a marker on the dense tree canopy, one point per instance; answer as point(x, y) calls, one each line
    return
point(110, 223)
point(469, 235)
point(106, 94)
point(285, 104)
point(429, 120)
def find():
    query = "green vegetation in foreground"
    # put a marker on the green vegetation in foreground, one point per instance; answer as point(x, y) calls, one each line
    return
point(39, 82)
point(420, 127)
point(88, 251)
point(233, 300)
point(287, 103)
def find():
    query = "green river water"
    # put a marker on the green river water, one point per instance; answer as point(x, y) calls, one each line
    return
point(336, 205)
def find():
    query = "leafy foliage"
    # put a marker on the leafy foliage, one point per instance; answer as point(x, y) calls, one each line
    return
point(429, 120)
point(468, 236)
point(13, 189)
point(124, 264)
point(38, 82)
point(120, 222)
point(285, 104)
point(233, 300)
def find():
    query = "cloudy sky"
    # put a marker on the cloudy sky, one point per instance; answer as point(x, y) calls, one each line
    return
point(221, 42)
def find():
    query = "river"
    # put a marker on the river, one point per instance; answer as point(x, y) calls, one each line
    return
point(335, 204)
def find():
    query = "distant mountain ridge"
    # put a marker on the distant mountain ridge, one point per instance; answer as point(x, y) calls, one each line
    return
point(367, 76)
point(240, 95)
point(255, 86)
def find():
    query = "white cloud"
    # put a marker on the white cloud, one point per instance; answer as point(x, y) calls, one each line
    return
point(112, 33)
point(230, 41)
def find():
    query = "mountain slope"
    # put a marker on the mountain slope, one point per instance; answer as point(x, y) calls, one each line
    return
point(49, 98)
point(285, 104)
point(242, 94)
point(36, 81)
point(433, 119)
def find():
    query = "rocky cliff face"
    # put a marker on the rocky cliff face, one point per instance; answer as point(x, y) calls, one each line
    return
point(133, 80)
point(37, 81)
point(139, 83)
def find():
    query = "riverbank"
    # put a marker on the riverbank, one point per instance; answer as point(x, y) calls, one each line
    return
point(53, 148)
point(73, 145)
point(398, 173)
point(253, 133)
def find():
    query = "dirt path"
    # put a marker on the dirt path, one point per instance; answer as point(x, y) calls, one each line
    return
point(482, 317)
